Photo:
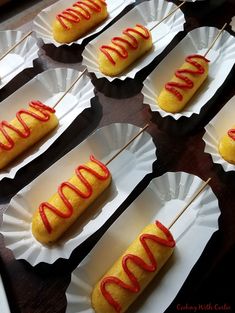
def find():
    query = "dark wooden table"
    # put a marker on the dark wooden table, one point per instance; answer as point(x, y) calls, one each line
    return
point(211, 283)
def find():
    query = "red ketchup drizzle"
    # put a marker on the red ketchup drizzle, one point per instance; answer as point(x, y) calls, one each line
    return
point(231, 133)
point(188, 82)
point(74, 16)
point(37, 105)
point(135, 286)
point(45, 205)
point(132, 44)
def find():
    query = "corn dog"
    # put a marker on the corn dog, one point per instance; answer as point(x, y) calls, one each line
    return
point(74, 22)
point(54, 217)
point(133, 271)
point(183, 85)
point(115, 57)
point(227, 146)
point(26, 129)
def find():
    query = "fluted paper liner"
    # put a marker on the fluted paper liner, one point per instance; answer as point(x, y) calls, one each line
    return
point(4, 303)
point(233, 23)
point(127, 170)
point(216, 129)
point(18, 59)
point(43, 21)
point(163, 199)
point(148, 14)
point(48, 87)
point(221, 56)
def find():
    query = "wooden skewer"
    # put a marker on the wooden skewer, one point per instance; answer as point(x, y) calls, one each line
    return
point(70, 87)
point(126, 145)
point(214, 41)
point(15, 45)
point(190, 201)
point(169, 14)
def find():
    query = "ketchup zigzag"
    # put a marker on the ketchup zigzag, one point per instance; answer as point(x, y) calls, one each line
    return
point(231, 133)
point(134, 285)
point(37, 105)
point(47, 206)
point(119, 41)
point(74, 16)
point(188, 83)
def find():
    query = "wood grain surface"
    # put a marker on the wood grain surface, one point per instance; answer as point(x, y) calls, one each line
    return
point(41, 289)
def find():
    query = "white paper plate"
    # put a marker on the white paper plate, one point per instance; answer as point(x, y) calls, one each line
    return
point(216, 129)
point(128, 169)
point(43, 21)
point(148, 14)
point(19, 58)
point(48, 87)
point(222, 58)
point(162, 200)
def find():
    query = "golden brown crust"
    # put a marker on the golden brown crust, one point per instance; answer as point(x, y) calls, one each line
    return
point(124, 297)
point(59, 224)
